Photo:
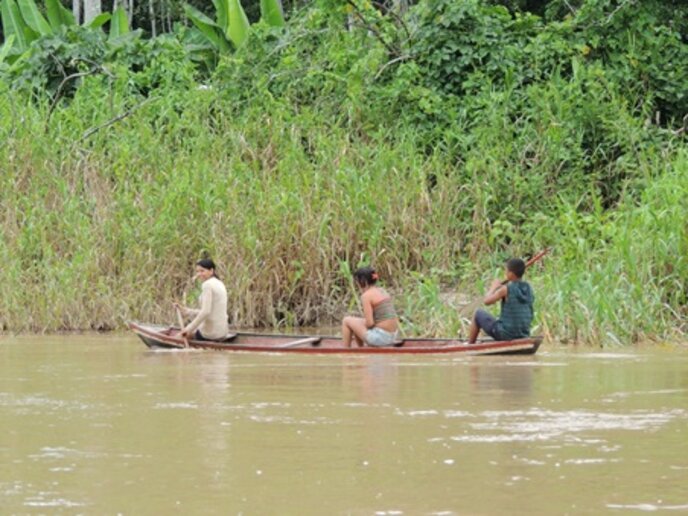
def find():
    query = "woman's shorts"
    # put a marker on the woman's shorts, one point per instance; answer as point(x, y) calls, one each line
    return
point(379, 338)
point(487, 323)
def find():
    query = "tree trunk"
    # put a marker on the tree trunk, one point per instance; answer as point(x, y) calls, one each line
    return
point(151, 11)
point(92, 8)
point(76, 10)
point(164, 6)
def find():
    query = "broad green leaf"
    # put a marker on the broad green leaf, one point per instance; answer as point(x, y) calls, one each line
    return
point(99, 20)
point(271, 12)
point(119, 23)
point(193, 36)
point(194, 13)
point(13, 23)
point(199, 48)
point(30, 34)
point(207, 27)
point(6, 47)
point(238, 23)
point(58, 15)
point(124, 39)
point(19, 61)
point(221, 14)
point(33, 17)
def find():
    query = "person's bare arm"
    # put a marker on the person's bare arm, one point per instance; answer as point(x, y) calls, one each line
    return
point(496, 292)
point(368, 311)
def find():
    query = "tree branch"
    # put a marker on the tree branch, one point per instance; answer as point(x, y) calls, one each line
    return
point(390, 63)
point(58, 93)
point(95, 67)
point(683, 128)
point(114, 120)
point(372, 29)
point(396, 16)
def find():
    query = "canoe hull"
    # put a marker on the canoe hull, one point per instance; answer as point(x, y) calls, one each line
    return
point(161, 337)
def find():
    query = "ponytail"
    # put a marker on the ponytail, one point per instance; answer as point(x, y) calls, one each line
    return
point(366, 276)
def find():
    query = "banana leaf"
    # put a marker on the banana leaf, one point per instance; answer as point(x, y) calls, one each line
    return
point(30, 34)
point(13, 23)
point(238, 29)
point(271, 12)
point(199, 49)
point(19, 61)
point(119, 23)
point(99, 20)
point(123, 40)
point(222, 14)
point(6, 47)
point(207, 27)
point(33, 18)
point(58, 15)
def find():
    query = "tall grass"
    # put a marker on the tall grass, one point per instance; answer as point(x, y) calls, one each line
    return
point(102, 229)
point(108, 229)
point(622, 278)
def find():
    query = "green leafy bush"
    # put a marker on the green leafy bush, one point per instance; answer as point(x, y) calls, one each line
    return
point(60, 61)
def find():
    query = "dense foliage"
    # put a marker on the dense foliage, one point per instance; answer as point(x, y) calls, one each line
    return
point(433, 142)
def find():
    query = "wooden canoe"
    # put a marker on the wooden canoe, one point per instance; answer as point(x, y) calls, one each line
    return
point(165, 337)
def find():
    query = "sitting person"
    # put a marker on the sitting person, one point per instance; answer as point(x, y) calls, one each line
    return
point(210, 321)
point(517, 307)
point(379, 324)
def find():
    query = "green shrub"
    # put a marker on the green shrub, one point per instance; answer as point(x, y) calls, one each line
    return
point(60, 62)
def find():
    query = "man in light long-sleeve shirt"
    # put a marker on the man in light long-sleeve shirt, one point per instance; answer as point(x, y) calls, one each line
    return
point(210, 321)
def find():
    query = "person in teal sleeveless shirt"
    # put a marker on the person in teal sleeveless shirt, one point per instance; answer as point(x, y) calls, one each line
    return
point(517, 307)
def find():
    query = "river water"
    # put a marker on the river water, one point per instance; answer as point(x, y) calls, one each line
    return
point(101, 425)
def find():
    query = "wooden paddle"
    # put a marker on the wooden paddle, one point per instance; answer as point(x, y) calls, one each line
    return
point(534, 259)
point(301, 342)
point(180, 320)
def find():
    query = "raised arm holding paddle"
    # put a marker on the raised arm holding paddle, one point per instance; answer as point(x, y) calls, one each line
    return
point(516, 296)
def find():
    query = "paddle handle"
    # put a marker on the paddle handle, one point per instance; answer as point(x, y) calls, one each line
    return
point(533, 260)
point(180, 321)
point(301, 342)
point(537, 257)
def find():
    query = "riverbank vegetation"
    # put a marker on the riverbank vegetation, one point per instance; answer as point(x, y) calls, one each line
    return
point(432, 140)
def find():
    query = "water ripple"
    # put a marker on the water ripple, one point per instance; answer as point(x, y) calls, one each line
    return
point(648, 507)
point(545, 425)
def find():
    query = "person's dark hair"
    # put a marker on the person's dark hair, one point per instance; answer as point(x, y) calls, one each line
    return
point(207, 263)
point(366, 276)
point(517, 266)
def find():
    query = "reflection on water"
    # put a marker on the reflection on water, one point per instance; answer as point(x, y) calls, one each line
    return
point(103, 425)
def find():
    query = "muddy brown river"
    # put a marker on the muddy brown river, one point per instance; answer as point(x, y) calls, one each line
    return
point(93, 424)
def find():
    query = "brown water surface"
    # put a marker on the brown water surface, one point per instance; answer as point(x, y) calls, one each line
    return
point(101, 425)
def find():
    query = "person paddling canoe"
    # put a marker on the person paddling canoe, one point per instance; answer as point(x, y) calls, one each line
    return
point(379, 324)
point(517, 300)
point(210, 321)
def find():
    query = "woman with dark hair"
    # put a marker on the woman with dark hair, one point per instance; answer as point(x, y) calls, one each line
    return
point(210, 321)
point(379, 324)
